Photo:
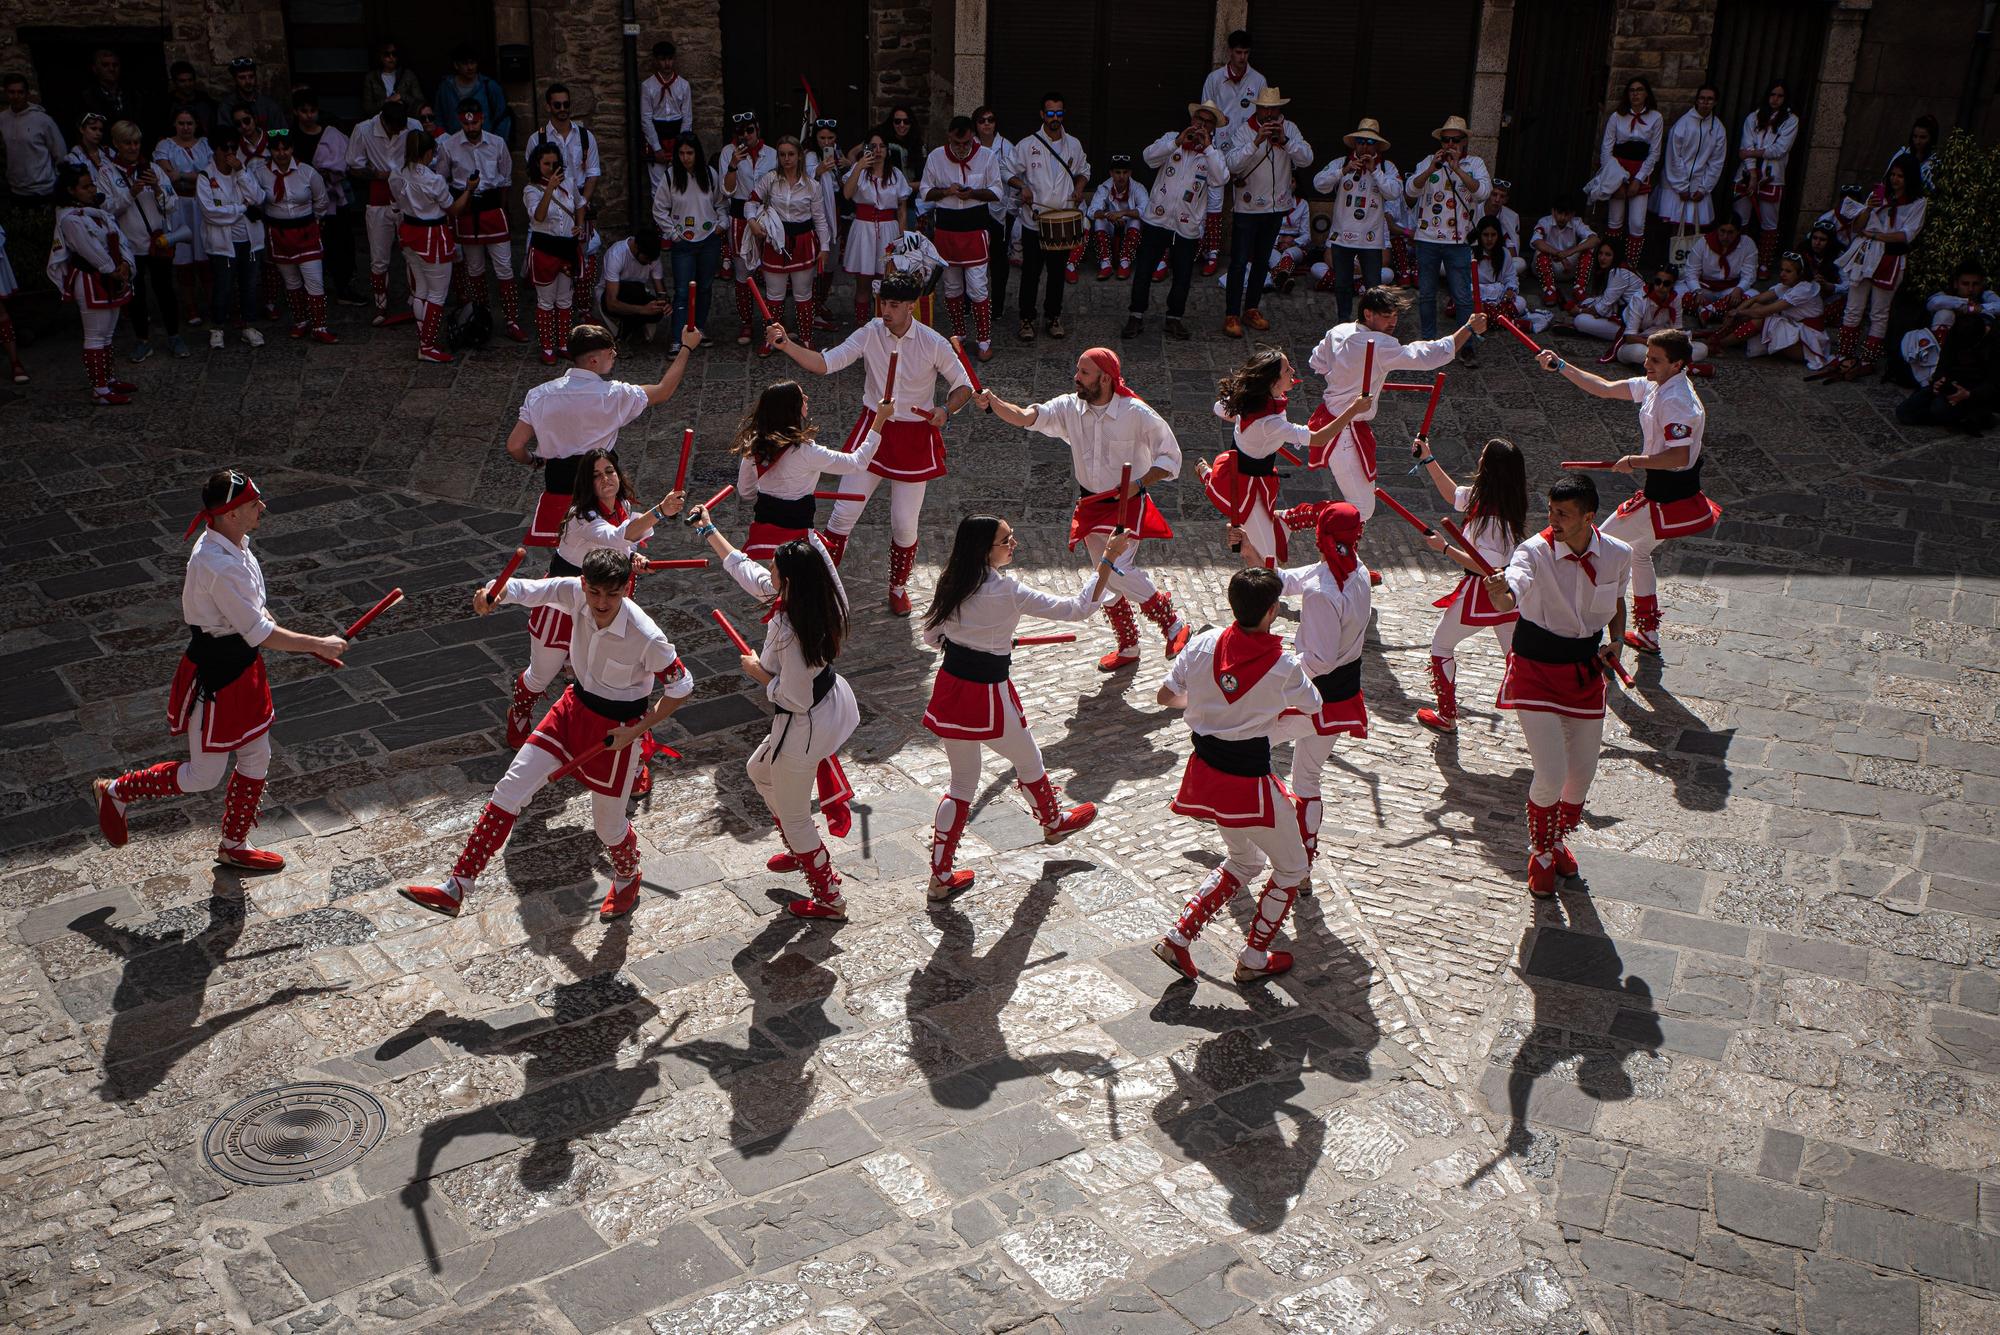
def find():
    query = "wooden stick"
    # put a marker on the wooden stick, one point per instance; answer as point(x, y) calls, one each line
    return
point(1020, 640)
point(1588, 463)
point(1430, 410)
point(499, 585)
point(389, 600)
point(1400, 509)
point(687, 448)
point(691, 297)
point(689, 563)
point(742, 645)
point(958, 345)
point(839, 496)
point(1516, 331)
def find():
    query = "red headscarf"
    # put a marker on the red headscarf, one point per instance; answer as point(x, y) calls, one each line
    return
point(1338, 530)
point(1107, 362)
point(242, 491)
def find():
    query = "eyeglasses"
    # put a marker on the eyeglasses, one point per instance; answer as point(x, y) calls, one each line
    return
point(899, 120)
point(1052, 115)
point(425, 116)
point(985, 120)
point(1453, 139)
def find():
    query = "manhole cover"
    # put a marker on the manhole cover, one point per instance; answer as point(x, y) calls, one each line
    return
point(294, 1133)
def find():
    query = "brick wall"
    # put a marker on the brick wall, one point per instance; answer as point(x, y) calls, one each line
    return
point(1665, 42)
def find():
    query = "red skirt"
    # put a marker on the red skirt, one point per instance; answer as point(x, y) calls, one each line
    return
point(1364, 441)
point(1101, 514)
point(1575, 689)
point(544, 268)
point(961, 248)
point(1631, 166)
point(546, 525)
point(761, 543)
point(549, 626)
point(1228, 491)
point(294, 242)
point(1349, 716)
point(910, 451)
point(802, 252)
point(486, 228)
point(433, 244)
point(1475, 606)
point(240, 713)
point(971, 711)
point(1234, 801)
point(1677, 519)
point(569, 729)
point(89, 288)
point(379, 196)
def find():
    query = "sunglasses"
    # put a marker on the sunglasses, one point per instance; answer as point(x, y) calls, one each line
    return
point(1052, 115)
point(983, 120)
point(558, 106)
point(899, 120)
point(1453, 139)
point(425, 116)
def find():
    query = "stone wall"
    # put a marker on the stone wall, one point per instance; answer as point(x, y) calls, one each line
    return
point(208, 34)
point(1665, 42)
point(900, 53)
point(1912, 61)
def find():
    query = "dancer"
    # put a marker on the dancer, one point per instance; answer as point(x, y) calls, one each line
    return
point(816, 713)
point(1494, 516)
point(1670, 503)
point(617, 655)
point(781, 462)
point(552, 205)
point(1629, 154)
point(429, 211)
point(599, 517)
point(1112, 433)
point(972, 619)
point(746, 159)
point(1718, 275)
point(220, 696)
point(88, 265)
point(1243, 481)
point(960, 179)
point(1233, 686)
point(477, 161)
point(794, 233)
point(1567, 582)
point(912, 451)
point(1563, 244)
point(298, 199)
point(374, 152)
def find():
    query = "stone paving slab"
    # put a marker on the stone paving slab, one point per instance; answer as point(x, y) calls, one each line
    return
point(1743, 1076)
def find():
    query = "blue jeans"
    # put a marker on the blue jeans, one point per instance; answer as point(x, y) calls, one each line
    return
point(694, 262)
point(1457, 262)
point(1250, 242)
point(237, 270)
point(1343, 259)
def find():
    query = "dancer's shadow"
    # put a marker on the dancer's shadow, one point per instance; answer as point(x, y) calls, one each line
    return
point(156, 1010)
point(1492, 800)
point(1270, 1063)
point(1680, 747)
point(768, 1078)
point(1105, 714)
point(1554, 960)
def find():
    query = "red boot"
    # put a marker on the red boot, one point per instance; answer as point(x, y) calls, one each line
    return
point(485, 840)
point(1444, 682)
point(946, 828)
point(1272, 906)
point(1172, 949)
point(803, 312)
point(623, 896)
point(1211, 244)
point(239, 813)
point(826, 902)
point(114, 795)
point(786, 861)
point(545, 333)
point(955, 308)
point(1645, 633)
point(1309, 810)
point(835, 544)
point(316, 315)
point(902, 560)
point(1174, 629)
point(428, 347)
point(521, 713)
point(1126, 626)
point(1569, 816)
point(1057, 823)
point(510, 305)
point(295, 298)
point(562, 331)
point(1541, 850)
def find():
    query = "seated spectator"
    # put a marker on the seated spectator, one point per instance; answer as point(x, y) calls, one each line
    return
point(632, 294)
point(1965, 391)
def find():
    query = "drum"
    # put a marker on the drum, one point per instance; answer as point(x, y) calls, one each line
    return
point(1062, 229)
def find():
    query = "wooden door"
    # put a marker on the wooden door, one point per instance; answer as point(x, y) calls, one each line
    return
point(767, 47)
point(1756, 42)
point(1558, 65)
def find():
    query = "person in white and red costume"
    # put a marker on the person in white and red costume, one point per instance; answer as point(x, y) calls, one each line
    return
point(780, 465)
point(972, 619)
point(1233, 686)
point(960, 179)
point(1493, 512)
point(1109, 429)
point(1670, 502)
point(617, 655)
point(1243, 481)
point(221, 697)
point(1568, 584)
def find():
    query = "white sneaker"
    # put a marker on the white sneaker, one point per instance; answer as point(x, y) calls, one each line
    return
point(253, 338)
point(215, 338)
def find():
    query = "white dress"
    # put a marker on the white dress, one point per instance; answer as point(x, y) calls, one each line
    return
point(869, 239)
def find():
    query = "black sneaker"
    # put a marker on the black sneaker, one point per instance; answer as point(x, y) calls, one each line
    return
point(1176, 329)
point(1133, 324)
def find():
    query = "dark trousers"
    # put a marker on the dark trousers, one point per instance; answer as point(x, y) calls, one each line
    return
point(1250, 240)
point(1343, 259)
point(151, 272)
point(1180, 252)
point(1040, 266)
point(337, 239)
point(632, 292)
point(997, 265)
point(1927, 407)
point(694, 262)
point(235, 272)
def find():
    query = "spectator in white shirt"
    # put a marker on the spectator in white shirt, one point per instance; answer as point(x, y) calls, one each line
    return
point(33, 144)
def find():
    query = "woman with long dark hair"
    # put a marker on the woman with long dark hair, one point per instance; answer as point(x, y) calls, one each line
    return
point(904, 139)
point(803, 634)
point(1882, 232)
point(1601, 312)
point(1243, 481)
point(781, 463)
point(795, 237)
point(552, 205)
point(1766, 146)
point(688, 208)
point(1494, 278)
point(1634, 134)
point(972, 619)
point(1922, 148)
point(429, 241)
point(1494, 511)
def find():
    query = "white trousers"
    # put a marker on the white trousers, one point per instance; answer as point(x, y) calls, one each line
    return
point(965, 281)
point(1452, 632)
point(203, 770)
point(551, 295)
point(380, 222)
point(1564, 750)
point(799, 283)
point(784, 779)
point(1767, 211)
point(1598, 327)
point(1618, 212)
point(1015, 745)
point(430, 284)
point(1874, 300)
point(307, 273)
point(1345, 465)
point(543, 664)
point(906, 504)
point(531, 769)
point(1636, 531)
point(1134, 585)
point(476, 258)
point(1278, 846)
point(98, 325)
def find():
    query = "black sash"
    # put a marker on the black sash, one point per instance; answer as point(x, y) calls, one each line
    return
point(290, 225)
point(1542, 645)
point(1662, 485)
point(960, 219)
point(562, 247)
point(782, 513)
point(976, 664)
point(218, 659)
point(623, 711)
point(484, 200)
point(1631, 148)
point(822, 684)
point(1249, 467)
point(1247, 758)
point(562, 568)
point(796, 229)
point(1342, 683)
point(1137, 501)
point(738, 208)
point(667, 132)
point(559, 475)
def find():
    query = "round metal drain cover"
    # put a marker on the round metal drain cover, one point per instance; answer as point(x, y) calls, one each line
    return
point(294, 1133)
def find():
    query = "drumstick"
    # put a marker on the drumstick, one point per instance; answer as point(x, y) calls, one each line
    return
point(1021, 640)
point(1399, 508)
point(691, 296)
point(1515, 330)
point(839, 496)
point(687, 448)
point(1588, 463)
point(958, 345)
point(889, 381)
point(763, 308)
point(499, 585)
point(1624, 675)
point(688, 563)
point(389, 600)
point(742, 645)
point(1430, 410)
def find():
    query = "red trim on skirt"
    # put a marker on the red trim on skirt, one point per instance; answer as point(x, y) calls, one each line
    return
point(240, 713)
point(1677, 519)
point(569, 729)
point(962, 249)
point(1574, 689)
point(294, 242)
point(1234, 801)
point(550, 626)
point(545, 526)
point(971, 711)
point(485, 228)
point(1101, 516)
point(89, 288)
point(761, 543)
point(910, 451)
point(433, 245)
point(544, 268)
point(1364, 441)
point(1225, 488)
point(804, 254)
point(1476, 609)
point(1349, 716)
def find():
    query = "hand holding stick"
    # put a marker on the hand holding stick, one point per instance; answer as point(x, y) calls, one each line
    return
point(499, 586)
point(1104, 565)
point(700, 512)
point(389, 600)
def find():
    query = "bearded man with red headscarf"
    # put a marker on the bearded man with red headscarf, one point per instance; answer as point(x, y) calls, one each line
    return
point(1114, 438)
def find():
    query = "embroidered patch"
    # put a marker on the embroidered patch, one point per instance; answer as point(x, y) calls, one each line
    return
point(1679, 431)
point(1228, 683)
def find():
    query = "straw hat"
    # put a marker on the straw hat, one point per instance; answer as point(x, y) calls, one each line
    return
point(1207, 108)
point(1369, 132)
point(1452, 123)
point(1269, 98)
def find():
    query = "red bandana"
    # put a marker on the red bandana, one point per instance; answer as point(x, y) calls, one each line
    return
point(1338, 530)
point(242, 491)
point(1107, 362)
point(1273, 407)
point(1242, 657)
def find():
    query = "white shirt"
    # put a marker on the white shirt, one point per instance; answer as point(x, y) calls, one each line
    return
point(374, 149)
point(621, 265)
point(1178, 200)
point(795, 473)
point(1488, 536)
point(561, 219)
point(1342, 353)
point(1261, 173)
point(1333, 617)
point(1496, 287)
point(419, 192)
point(329, 159)
point(86, 236)
point(1670, 414)
point(779, 201)
point(1704, 270)
point(991, 613)
point(578, 149)
point(1106, 201)
point(1296, 227)
point(1621, 289)
point(460, 157)
point(1266, 435)
point(1003, 158)
point(1620, 126)
point(1102, 440)
point(981, 171)
point(1561, 236)
point(1358, 199)
point(223, 592)
point(1774, 145)
point(222, 198)
point(1696, 150)
point(581, 536)
point(1557, 594)
point(1256, 711)
point(1442, 209)
point(692, 214)
point(1643, 314)
point(305, 193)
point(658, 101)
point(620, 661)
point(791, 689)
point(1051, 169)
point(140, 211)
point(922, 356)
point(580, 410)
point(1236, 97)
point(750, 169)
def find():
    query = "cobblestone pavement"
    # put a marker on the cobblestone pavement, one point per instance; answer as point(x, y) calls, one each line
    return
point(1744, 1077)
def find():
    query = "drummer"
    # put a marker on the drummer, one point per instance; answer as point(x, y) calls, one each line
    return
point(1052, 172)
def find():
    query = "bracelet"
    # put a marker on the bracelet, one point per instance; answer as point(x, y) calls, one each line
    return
point(657, 514)
point(704, 530)
point(1106, 563)
point(1427, 459)
point(1561, 365)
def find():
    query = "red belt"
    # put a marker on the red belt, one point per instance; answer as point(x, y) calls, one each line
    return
point(871, 213)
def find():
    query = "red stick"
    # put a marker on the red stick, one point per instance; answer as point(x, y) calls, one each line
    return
point(1367, 365)
point(1020, 640)
point(499, 585)
point(1624, 675)
point(958, 345)
point(389, 600)
point(838, 496)
point(1588, 463)
point(588, 754)
point(1515, 330)
point(720, 496)
point(691, 295)
point(763, 308)
point(1485, 566)
point(690, 563)
point(1290, 458)
point(1398, 507)
point(1124, 506)
point(687, 448)
point(889, 382)
point(1430, 411)
point(1393, 386)
point(742, 645)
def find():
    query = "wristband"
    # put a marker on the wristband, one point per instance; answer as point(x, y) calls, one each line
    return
point(704, 530)
point(1427, 459)
point(656, 513)
point(1561, 365)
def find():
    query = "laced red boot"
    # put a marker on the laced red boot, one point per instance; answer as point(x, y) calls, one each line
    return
point(1071, 267)
point(97, 366)
point(562, 331)
point(1258, 961)
point(316, 318)
point(982, 327)
point(902, 560)
point(803, 313)
point(1871, 357)
point(1058, 823)
point(1282, 271)
point(378, 284)
point(476, 286)
point(545, 333)
point(834, 792)
point(239, 813)
point(1545, 269)
point(1645, 632)
point(114, 795)
point(1172, 949)
point(295, 298)
point(835, 544)
point(1211, 244)
point(428, 349)
point(1174, 630)
point(1767, 251)
point(1586, 264)
point(1126, 626)
point(1569, 816)
point(521, 713)
point(946, 828)
point(955, 308)
point(824, 882)
point(1309, 811)
point(746, 316)
point(1104, 249)
point(1634, 244)
point(485, 840)
point(1444, 675)
point(1128, 249)
point(623, 896)
point(1541, 850)
point(786, 861)
point(510, 306)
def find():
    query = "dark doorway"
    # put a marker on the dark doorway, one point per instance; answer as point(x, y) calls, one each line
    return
point(332, 45)
point(1557, 72)
point(1757, 41)
point(62, 59)
point(768, 47)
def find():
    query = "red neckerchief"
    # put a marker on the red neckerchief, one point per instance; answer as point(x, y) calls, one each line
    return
point(777, 606)
point(1562, 550)
point(1242, 657)
point(765, 468)
point(278, 181)
point(961, 161)
point(1273, 407)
